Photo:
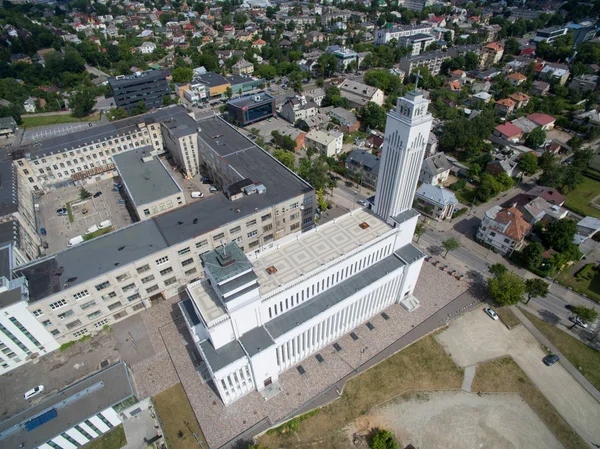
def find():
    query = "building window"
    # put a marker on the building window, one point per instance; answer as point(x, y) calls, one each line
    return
point(187, 262)
point(170, 281)
point(38, 312)
point(58, 304)
point(73, 324)
point(190, 272)
point(252, 234)
point(123, 277)
point(219, 236)
point(95, 314)
point(87, 305)
point(46, 323)
point(109, 296)
point(152, 289)
point(235, 230)
point(162, 260)
point(98, 325)
point(148, 279)
point(268, 227)
point(294, 226)
point(81, 295)
point(133, 297)
point(250, 223)
point(55, 332)
point(253, 244)
point(146, 211)
point(128, 287)
point(114, 305)
point(202, 243)
point(66, 314)
point(102, 286)
point(492, 234)
point(266, 217)
point(183, 252)
point(144, 268)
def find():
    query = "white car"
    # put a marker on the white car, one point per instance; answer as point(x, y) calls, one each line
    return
point(33, 392)
point(579, 321)
point(491, 313)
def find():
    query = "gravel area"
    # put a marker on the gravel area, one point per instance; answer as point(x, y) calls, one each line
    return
point(433, 291)
point(453, 420)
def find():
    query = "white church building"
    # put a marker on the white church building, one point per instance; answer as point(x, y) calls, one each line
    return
point(254, 316)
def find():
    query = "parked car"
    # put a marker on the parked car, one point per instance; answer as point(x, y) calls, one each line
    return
point(62, 211)
point(105, 224)
point(491, 313)
point(212, 189)
point(569, 307)
point(43, 231)
point(362, 203)
point(578, 321)
point(550, 359)
point(97, 194)
point(121, 202)
point(118, 185)
point(75, 241)
point(197, 194)
point(206, 181)
point(33, 392)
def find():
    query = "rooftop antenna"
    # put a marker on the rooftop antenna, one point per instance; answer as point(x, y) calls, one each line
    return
point(224, 248)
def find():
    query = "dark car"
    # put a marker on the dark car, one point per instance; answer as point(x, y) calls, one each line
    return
point(550, 359)
point(97, 194)
point(62, 211)
point(569, 307)
point(43, 231)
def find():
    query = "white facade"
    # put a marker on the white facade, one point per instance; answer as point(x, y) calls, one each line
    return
point(328, 143)
point(406, 136)
point(383, 36)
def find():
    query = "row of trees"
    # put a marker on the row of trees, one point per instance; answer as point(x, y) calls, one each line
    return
point(566, 177)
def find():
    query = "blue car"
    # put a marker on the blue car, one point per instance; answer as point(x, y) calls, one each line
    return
point(43, 231)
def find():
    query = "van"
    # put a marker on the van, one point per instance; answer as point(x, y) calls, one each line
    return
point(197, 194)
point(92, 229)
point(33, 392)
point(212, 189)
point(75, 241)
point(105, 224)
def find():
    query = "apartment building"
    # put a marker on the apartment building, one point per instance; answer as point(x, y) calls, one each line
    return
point(133, 267)
point(149, 185)
point(432, 60)
point(328, 143)
point(358, 94)
point(181, 140)
point(63, 160)
point(383, 36)
point(298, 108)
point(417, 42)
point(549, 35)
point(490, 54)
point(255, 317)
point(503, 229)
point(149, 87)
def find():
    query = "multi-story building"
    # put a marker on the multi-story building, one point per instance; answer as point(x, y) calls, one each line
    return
point(358, 94)
point(298, 108)
point(490, 54)
point(84, 154)
point(504, 229)
point(133, 267)
point(300, 21)
point(328, 143)
point(418, 42)
point(245, 111)
point(582, 32)
point(216, 84)
point(549, 35)
point(345, 56)
point(242, 67)
point(181, 140)
point(384, 35)
point(585, 82)
point(435, 169)
point(148, 87)
point(255, 317)
point(436, 202)
point(364, 166)
point(74, 416)
point(432, 60)
point(22, 336)
point(149, 186)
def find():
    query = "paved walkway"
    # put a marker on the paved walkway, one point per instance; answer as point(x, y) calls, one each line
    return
point(571, 369)
point(468, 378)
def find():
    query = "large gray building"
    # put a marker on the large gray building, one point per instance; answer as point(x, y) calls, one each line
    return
point(149, 87)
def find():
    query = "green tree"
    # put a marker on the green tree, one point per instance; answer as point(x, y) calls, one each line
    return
point(254, 132)
point(373, 116)
point(528, 163)
point(507, 288)
point(497, 269)
point(328, 64)
point(84, 194)
point(450, 245)
point(419, 230)
point(139, 108)
point(182, 75)
point(536, 288)
point(287, 158)
point(536, 138)
point(228, 92)
point(82, 102)
point(116, 114)
point(532, 255)
point(559, 234)
point(511, 46)
point(383, 439)
point(585, 313)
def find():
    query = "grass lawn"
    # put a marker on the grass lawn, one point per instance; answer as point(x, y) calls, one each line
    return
point(177, 418)
point(423, 365)
point(586, 359)
point(45, 120)
point(508, 317)
point(98, 233)
point(579, 199)
point(504, 375)
point(588, 285)
point(69, 211)
point(114, 439)
point(465, 196)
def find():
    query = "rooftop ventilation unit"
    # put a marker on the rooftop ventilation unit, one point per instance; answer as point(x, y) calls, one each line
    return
point(257, 98)
point(260, 189)
point(249, 190)
point(147, 158)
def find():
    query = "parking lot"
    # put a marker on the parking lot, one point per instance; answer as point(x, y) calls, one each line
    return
point(188, 185)
point(59, 229)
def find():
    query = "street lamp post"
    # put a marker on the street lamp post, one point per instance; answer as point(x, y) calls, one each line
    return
point(362, 351)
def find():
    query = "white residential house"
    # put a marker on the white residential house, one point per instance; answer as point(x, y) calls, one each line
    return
point(298, 108)
point(504, 229)
point(328, 143)
point(29, 105)
point(147, 48)
point(359, 94)
point(435, 169)
point(436, 202)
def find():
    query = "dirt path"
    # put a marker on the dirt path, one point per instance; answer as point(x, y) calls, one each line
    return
point(457, 420)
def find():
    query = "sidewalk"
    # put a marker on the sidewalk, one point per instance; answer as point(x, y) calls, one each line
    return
point(571, 369)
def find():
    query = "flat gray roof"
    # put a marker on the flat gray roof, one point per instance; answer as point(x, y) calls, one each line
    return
point(8, 189)
point(68, 142)
point(320, 303)
point(224, 263)
point(222, 357)
point(10, 297)
point(9, 231)
point(72, 405)
point(145, 177)
point(103, 254)
point(409, 253)
point(249, 101)
point(405, 216)
point(256, 340)
point(149, 75)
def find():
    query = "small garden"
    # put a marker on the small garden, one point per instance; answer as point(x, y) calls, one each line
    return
point(585, 280)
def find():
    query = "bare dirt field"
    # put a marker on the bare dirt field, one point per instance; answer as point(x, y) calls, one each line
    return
point(448, 420)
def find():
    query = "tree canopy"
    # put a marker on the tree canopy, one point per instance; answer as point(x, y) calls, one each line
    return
point(536, 288)
point(535, 138)
point(373, 116)
point(82, 103)
point(507, 288)
point(559, 234)
point(182, 75)
point(528, 163)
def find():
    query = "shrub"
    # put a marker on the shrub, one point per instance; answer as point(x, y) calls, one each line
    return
point(66, 345)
